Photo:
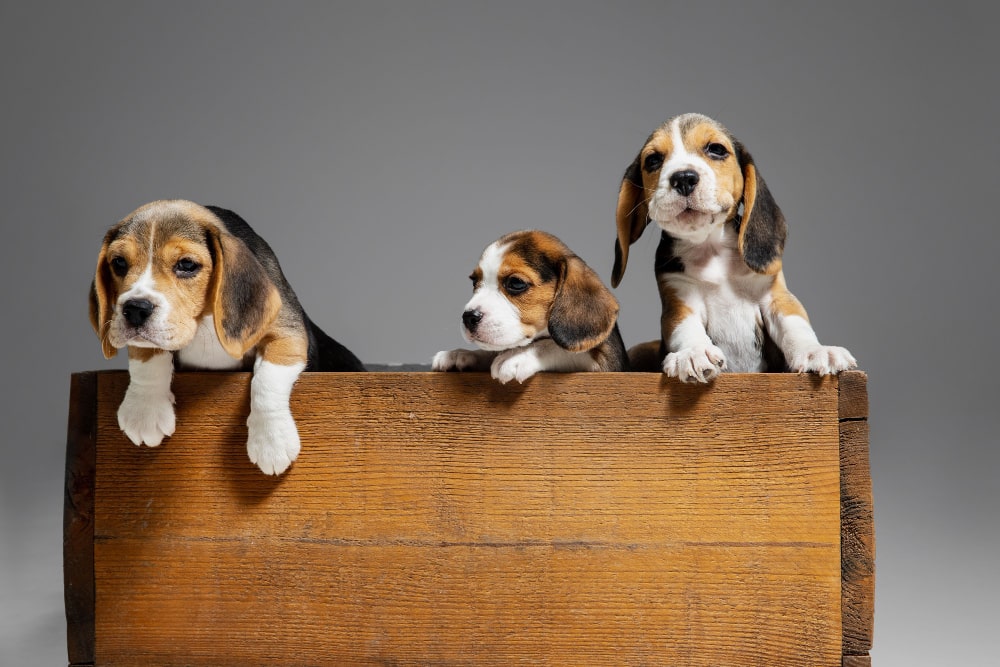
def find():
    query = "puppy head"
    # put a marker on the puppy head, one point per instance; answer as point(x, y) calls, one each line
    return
point(691, 177)
point(167, 265)
point(529, 284)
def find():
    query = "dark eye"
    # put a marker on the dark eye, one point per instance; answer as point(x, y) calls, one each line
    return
point(119, 266)
point(186, 268)
point(717, 151)
point(515, 285)
point(653, 162)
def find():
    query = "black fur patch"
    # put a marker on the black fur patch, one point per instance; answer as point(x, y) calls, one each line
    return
point(666, 260)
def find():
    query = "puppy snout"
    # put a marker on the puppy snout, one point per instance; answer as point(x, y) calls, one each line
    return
point(684, 181)
point(471, 319)
point(137, 311)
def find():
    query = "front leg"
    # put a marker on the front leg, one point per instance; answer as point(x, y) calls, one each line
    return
point(273, 439)
point(146, 414)
point(691, 356)
point(520, 363)
point(788, 325)
point(462, 360)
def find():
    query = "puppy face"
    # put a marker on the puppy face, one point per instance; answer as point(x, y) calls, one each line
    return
point(691, 175)
point(528, 285)
point(155, 270)
point(513, 285)
point(165, 267)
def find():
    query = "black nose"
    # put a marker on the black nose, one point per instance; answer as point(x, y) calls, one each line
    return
point(137, 311)
point(684, 181)
point(471, 319)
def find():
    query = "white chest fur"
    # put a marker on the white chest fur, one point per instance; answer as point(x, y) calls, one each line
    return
point(727, 295)
point(205, 351)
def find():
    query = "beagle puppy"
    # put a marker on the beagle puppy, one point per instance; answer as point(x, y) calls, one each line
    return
point(536, 306)
point(193, 287)
point(725, 305)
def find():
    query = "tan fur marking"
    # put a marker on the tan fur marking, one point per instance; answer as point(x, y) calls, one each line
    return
point(143, 354)
point(749, 198)
point(283, 350)
point(534, 303)
point(674, 312)
point(728, 176)
point(783, 301)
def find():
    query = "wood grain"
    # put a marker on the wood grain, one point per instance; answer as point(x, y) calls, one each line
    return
point(443, 518)
point(857, 518)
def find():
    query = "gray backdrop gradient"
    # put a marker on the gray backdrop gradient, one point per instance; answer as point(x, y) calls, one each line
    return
point(380, 146)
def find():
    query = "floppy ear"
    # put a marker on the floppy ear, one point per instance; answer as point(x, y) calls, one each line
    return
point(762, 230)
point(243, 299)
point(102, 298)
point(631, 216)
point(584, 310)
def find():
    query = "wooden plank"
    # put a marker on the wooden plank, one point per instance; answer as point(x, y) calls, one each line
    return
point(857, 518)
point(857, 539)
point(439, 518)
point(853, 387)
point(78, 518)
point(857, 661)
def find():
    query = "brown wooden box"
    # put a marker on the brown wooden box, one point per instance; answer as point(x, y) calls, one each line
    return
point(446, 519)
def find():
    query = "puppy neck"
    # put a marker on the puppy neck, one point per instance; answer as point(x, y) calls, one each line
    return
point(205, 352)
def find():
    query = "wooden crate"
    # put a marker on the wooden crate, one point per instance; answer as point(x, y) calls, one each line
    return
point(446, 519)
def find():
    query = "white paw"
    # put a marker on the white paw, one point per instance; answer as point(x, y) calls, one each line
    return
point(455, 360)
point(146, 415)
point(273, 441)
point(823, 360)
point(698, 363)
point(517, 364)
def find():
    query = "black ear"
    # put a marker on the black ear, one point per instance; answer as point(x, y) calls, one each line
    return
point(584, 311)
point(631, 216)
point(245, 302)
point(762, 230)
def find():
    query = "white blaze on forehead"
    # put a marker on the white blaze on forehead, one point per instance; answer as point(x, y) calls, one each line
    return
point(681, 159)
point(501, 326)
point(491, 261)
point(145, 286)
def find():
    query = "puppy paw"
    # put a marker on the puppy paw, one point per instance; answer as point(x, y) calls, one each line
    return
point(458, 360)
point(698, 363)
point(146, 415)
point(273, 441)
point(823, 360)
point(517, 364)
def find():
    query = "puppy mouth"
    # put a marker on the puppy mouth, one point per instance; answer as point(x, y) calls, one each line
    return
point(493, 340)
point(142, 336)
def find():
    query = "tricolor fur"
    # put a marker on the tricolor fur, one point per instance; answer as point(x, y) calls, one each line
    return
point(725, 305)
point(194, 287)
point(536, 306)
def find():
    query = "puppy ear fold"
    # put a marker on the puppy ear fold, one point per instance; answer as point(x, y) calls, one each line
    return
point(584, 311)
point(102, 299)
point(762, 231)
point(631, 216)
point(243, 299)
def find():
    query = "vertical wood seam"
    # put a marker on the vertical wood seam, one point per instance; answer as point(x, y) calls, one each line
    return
point(78, 519)
point(857, 527)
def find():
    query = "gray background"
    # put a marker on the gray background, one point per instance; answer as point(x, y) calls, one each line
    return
point(379, 146)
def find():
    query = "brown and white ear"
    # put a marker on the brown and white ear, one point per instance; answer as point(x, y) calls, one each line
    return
point(631, 216)
point(762, 230)
point(243, 299)
point(102, 299)
point(584, 311)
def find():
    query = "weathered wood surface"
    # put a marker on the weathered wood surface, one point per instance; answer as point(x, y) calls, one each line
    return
point(443, 518)
point(857, 518)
